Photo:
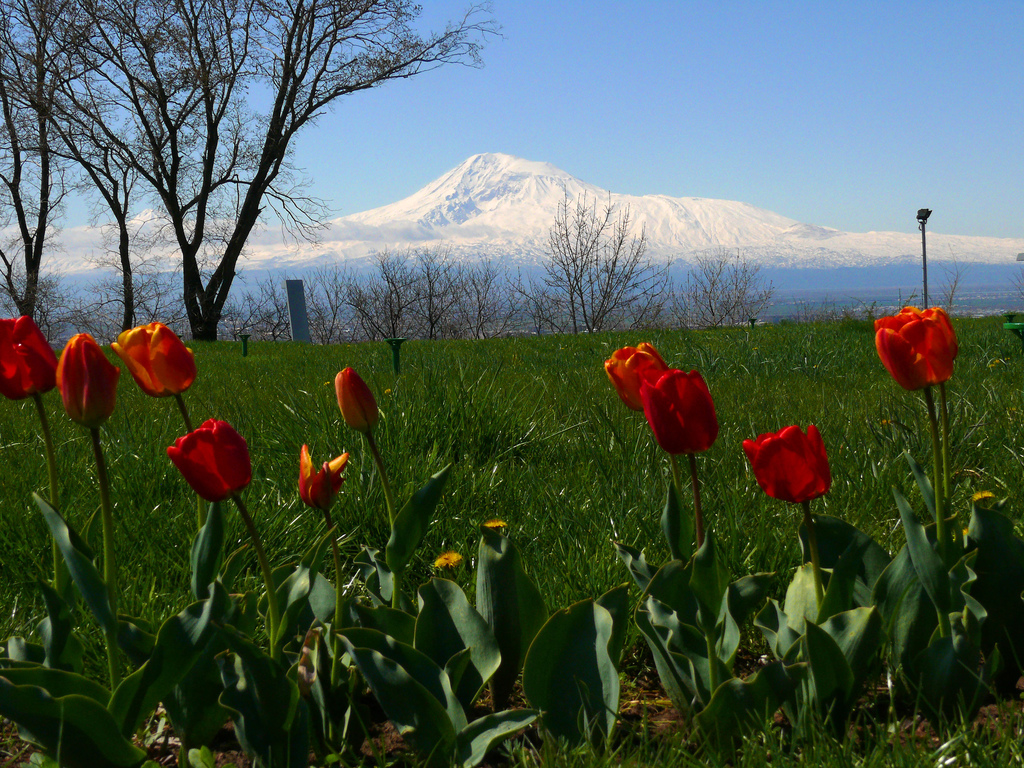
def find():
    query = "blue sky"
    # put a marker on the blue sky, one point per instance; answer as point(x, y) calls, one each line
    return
point(850, 115)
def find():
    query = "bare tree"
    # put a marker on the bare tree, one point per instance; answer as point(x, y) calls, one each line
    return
point(488, 304)
point(954, 274)
point(179, 74)
point(598, 275)
point(385, 301)
point(330, 316)
point(32, 62)
point(722, 288)
point(437, 286)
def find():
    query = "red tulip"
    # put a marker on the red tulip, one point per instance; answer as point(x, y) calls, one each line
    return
point(917, 348)
point(356, 401)
point(318, 489)
point(213, 459)
point(679, 408)
point(87, 381)
point(27, 363)
point(629, 366)
point(790, 465)
point(160, 364)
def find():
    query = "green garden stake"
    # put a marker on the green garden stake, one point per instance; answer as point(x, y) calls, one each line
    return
point(395, 359)
point(245, 343)
point(753, 322)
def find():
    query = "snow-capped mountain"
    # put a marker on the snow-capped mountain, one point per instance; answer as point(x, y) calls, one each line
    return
point(502, 207)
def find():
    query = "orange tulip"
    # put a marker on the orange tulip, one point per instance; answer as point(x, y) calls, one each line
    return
point(27, 364)
point(628, 367)
point(356, 401)
point(87, 381)
point(318, 489)
point(917, 348)
point(160, 364)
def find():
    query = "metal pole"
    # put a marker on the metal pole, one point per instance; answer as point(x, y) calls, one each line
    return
point(924, 263)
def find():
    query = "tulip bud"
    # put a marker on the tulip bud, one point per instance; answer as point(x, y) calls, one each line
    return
point(628, 367)
point(213, 459)
point(790, 465)
point(87, 381)
point(318, 489)
point(356, 401)
point(27, 363)
point(156, 358)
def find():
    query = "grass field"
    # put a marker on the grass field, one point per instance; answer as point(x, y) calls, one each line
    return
point(539, 439)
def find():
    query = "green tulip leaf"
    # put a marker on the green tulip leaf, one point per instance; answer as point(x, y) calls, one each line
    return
point(61, 649)
point(415, 693)
point(570, 676)
point(923, 483)
point(842, 581)
point(179, 643)
point(207, 551)
point(677, 525)
point(831, 679)
point(376, 575)
point(801, 601)
point(927, 563)
point(635, 563)
point(616, 602)
point(270, 719)
point(391, 621)
point(511, 605)
point(481, 736)
point(448, 624)
point(775, 627)
point(412, 521)
point(999, 583)
point(58, 683)
point(907, 611)
point(710, 584)
point(835, 538)
point(674, 670)
point(858, 633)
point(79, 561)
point(738, 706)
point(74, 729)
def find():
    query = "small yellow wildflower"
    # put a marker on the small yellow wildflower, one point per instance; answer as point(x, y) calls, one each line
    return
point(387, 391)
point(495, 524)
point(980, 495)
point(449, 560)
point(886, 422)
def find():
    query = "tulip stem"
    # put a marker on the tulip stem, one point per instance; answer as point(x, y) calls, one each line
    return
point(273, 613)
point(698, 514)
point(335, 655)
point(389, 499)
point(945, 442)
point(59, 571)
point(200, 505)
point(812, 545)
point(940, 507)
point(109, 564)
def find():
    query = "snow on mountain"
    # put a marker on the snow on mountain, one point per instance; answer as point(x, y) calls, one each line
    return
point(502, 207)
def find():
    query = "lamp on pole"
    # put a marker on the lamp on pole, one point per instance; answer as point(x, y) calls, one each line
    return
point(922, 219)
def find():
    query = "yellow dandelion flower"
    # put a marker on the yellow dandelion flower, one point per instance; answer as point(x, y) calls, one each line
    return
point(449, 560)
point(980, 495)
point(387, 391)
point(886, 422)
point(495, 524)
